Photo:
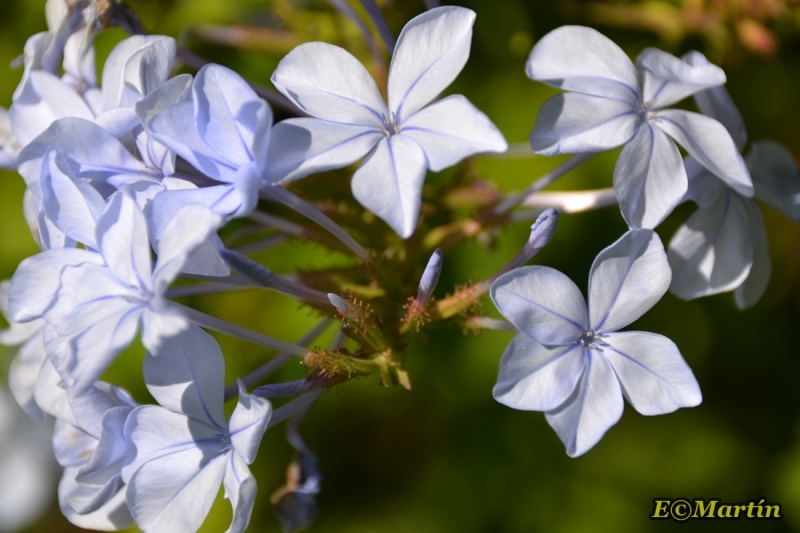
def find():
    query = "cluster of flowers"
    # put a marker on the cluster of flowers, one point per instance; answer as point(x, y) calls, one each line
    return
point(149, 163)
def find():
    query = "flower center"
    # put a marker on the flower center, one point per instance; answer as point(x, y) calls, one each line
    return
point(389, 127)
point(592, 339)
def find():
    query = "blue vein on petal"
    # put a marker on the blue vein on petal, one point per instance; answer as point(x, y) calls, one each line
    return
point(377, 114)
point(626, 356)
point(398, 112)
point(577, 326)
point(619, 290)
point(199, 392)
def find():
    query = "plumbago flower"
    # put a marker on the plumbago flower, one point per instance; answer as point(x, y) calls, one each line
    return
point(221, 127)
point(95, 301)
point(184, 447)
point(401, 140)
point(573, 363)
point(723, 246)
point(607, 106)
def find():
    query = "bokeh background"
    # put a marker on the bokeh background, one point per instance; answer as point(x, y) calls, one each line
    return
point(445, 456)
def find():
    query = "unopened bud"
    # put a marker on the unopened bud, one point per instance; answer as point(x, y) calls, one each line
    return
point(430, 277)
point(542, 230)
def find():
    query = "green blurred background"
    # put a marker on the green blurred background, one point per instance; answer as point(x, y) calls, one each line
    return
point(445, 456)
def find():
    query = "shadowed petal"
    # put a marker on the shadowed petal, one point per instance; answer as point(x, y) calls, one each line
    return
point(240, 489)
point(248, 424)
point(572, 123)
point(775, 177)
point(655, 379)
point(186, 376)
point(543, 303)
point(713, 251)
point(753, 288)
point(124, 242)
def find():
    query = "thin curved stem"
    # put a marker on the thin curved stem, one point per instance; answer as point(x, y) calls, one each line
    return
point(548, 179)
point(379, 21)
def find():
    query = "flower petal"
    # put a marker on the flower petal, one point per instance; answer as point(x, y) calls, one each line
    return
point(329, 83)
point(135, 67)
point(713, 251)
point(593, 408)
point(576, 58)
point(543, 303)
point(710, 143)
point(113, 515)
point(430, 52)
point(753, 288)
point(124, 242)
point(73, 205)
point(389, 183)
point(775, 177)
point(43, 100)
point(174, 488)
point(452, 129)
point(627, 279)
point(186, 376)
point(303, 146)
point(572, 123)
point(717, 104)
point(240, 489)
point(230, 117)
point(536, 378)
point(649, 178)
point(655, 379)
point(248, 424)
point(667, 79)
point(37, 279)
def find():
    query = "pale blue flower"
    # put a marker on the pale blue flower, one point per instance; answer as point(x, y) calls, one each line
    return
point(571, 362)
point(400, 141)
point(608, 106)
point(95, 301)
point(185, 448)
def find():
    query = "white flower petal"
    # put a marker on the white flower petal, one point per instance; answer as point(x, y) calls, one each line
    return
point(430, 52)
point(649, 178)
point(543, 303)
point(452, 129)
point(593, 408)
point(135, 67)
point(717, 104)
point(389, 183)
point(230, 117)
point(667, 79)
point(713, 251)
point(753, 288)
point(654, 376)
point(710, 143)
point(124, 242)
point(37, 279)
point(186, 376)
point(43, 100)
point(627, 279)
point(113, 515)
point(536, 378)
point(573, 122)
point(248, 424)
point(329, 83)
point(303, 146)
point(576, 58)
point(240, 489)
